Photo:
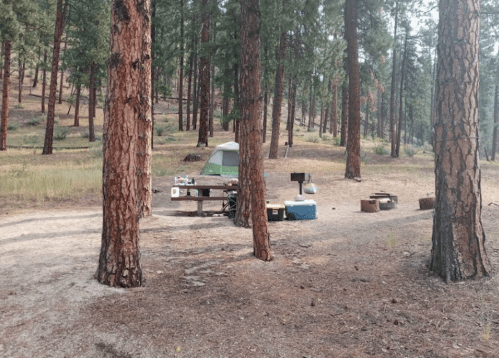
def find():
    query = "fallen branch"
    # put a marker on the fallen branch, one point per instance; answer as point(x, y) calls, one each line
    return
point(493, 204)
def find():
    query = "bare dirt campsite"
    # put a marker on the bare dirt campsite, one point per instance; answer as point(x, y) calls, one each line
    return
point(349, 284)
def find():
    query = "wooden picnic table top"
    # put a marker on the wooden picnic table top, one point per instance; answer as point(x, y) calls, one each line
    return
point(208, 186)
point(199, 198)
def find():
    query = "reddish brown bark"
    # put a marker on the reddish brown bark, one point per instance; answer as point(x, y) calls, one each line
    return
point(344, 116)
point(119, 261)
point(181, 70)
point(61, 85)
point(250, 104)
point(59, 28)
point(353, 143)
point(5, 95)
point(458, 251)
point(91, 104)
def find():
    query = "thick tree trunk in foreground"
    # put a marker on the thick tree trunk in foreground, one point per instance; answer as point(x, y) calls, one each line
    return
point(119, 261)
point(276, 110)
point(251, 104)
point(144, 124)
point(59, 28)
point(205, 81)
point(77, 106)
point(5, 94)
point(458, 250)
point(353, 143)
point(344, 116)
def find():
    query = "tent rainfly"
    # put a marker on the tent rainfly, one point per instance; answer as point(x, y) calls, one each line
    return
point(224, 161)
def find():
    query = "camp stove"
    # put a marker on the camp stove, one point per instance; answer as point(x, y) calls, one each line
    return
point(300, 178)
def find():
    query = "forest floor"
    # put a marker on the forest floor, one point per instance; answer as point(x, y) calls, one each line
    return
point(349, 284)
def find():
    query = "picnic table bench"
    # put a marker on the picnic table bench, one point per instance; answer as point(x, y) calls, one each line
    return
point(200, 199)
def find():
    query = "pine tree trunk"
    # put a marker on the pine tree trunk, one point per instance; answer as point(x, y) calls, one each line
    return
point(91, 104)
point(20, 81)
point(225, 111)
point(401, 99)
point(496, 117)
point(61, 85)
point(144, 123)
point(293, 113)
point(181, 76)
point(236, 108)
point(276, 110)
point(44, 81)
point(344, 116)
point(119, 261)
point(5, 96)
point(334, 126)
point(394, 84)
point(353, 143)
point(458, 251)
point(265, 108)
point(77, 106)
point(366, 123)
point(251, 122)
point(37, 70)
point(59, 28)
point(189, 98)
point(212, 102)
point(205, 81)
point(2, 55)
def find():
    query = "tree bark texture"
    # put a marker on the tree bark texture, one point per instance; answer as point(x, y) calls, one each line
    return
point(205, 81)
point(189, 90)
point(44, 81)
point(181, 75)
point(22, 66)
point(334, 118)
point(119, 261)
point(77, 106)
point(276, 110)
point(458, 250)
point(5, 94)
point(251, 104)
point(496, 116)
point(91, 103)
point(144, 124)
point(61, 85)
point(344, 116)
point(293, 113)
point(393, 84)
point(353, 143)
point(59, 28)
point(401, 98)
point(265, 108)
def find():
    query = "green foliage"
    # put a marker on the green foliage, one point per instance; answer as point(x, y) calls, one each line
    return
point(11, 126)
point(313, 139)
point(410, 151)
point(336, 141)
point(61, 133)
point(19, 106)
point(34, 121)
point(85, 134)
point(381, 149)
point(364, 157)
point(160, 130)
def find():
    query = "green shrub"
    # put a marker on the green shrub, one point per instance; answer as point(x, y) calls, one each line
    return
point(96, 152)
point(11, 126)
point(19, 106)
point(35, 121)
point(313, 139)
point(380, 149)
point(309, 129)
point(160, 130)
point(336, 140)
point(410, 151)
point(61, 133)
point(325, 137)
point(32, 139)
point(85, 134)
point(364, 158)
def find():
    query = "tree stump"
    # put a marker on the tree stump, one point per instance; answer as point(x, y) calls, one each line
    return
point(369, 206)
point(426, 203)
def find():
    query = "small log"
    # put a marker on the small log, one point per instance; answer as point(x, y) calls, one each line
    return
point(426, 203)
point(369, 206)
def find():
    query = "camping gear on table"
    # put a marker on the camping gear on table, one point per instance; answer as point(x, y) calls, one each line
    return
point(301, 210)
point(224, 161)
point(275, 212)
point(387, 201)
point(300, 178)
point(232, 199)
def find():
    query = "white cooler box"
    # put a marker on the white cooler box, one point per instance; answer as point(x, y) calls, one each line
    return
point(301, 210)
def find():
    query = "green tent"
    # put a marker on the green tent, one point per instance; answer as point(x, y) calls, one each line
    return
point(224, 161)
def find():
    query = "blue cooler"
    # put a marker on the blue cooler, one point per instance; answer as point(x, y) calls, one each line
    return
point(301, 210)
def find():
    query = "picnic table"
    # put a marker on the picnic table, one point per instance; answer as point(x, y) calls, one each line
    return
point(200, 199)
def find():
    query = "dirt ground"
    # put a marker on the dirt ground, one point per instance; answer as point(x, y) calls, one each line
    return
point(349, 284)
